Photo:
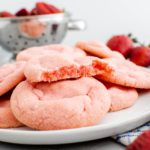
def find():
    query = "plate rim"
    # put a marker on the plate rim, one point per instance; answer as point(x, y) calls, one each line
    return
point(82, 129)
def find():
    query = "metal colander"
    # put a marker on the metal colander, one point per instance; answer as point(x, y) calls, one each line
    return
point(24, 32)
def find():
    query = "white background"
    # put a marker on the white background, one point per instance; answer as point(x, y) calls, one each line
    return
point(104, 17)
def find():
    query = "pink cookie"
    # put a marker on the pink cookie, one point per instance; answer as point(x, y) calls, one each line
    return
point(50, 49)
point(121, 97)
point(10, 76)
point(57, 67)
point(60, 105)
point(126, 73)
point(64, 49)
point(98, 49)
point(7, 119)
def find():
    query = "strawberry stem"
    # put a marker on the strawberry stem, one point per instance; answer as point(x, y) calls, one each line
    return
point(135, 40)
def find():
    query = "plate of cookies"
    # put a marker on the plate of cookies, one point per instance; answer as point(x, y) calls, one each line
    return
point(57, 94)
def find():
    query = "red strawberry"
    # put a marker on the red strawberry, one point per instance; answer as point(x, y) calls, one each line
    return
point(34, 11)
point(6, 14)
point(41, 9)
point(141, 143)
point(121, 43)
point(140, 55)
point(23, 12)
point(52, 8)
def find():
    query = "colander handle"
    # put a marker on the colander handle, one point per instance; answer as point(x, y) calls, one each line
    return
point(77, 25)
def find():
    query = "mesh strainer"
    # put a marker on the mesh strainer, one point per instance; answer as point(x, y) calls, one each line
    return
point(23, 32)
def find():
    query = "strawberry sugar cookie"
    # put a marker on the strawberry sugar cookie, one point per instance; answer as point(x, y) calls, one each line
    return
point(126, 73)
point(98, 49)
point(121, 97)
point(7, 119)
point(60, 105)
point(33, 52)
point(71, 51)
point(10, 76)
point(57, 67)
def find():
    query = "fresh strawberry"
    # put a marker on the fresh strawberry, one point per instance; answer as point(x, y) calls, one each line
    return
point(6, 14)
point(52, 8)
point(23, 12)
point(41, 9)
point(140, 55)
point(34, 11)
point(141, 143)
point(121, 43)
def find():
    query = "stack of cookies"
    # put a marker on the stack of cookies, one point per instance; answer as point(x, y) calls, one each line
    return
point(60, 87)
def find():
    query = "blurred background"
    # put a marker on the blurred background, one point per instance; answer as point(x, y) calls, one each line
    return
point(104, 17)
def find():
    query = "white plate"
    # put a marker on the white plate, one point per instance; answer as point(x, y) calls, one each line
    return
point(113, 123)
